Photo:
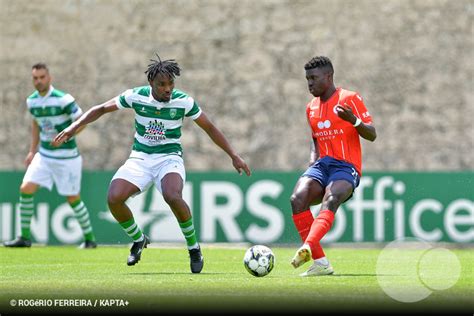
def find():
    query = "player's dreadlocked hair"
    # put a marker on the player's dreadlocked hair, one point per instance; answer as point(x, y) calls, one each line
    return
point(166, 67)
point(319, 62)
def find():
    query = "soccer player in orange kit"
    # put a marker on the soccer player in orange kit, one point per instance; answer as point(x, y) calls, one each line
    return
point(337, 118)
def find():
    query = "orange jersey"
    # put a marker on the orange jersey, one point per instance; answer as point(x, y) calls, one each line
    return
point(335, 137)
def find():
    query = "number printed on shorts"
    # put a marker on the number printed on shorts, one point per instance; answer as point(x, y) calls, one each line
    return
point(354, 175)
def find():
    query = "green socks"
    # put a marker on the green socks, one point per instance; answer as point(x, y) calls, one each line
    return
point(132, 230)
point(26, 214)
point(189, 233)
point(82, 216)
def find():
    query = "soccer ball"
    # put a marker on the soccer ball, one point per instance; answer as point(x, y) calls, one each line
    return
point(259, 260)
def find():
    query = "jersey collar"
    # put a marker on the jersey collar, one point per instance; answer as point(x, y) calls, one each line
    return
point(335, 93)
point(152, 100)
point(51, 88)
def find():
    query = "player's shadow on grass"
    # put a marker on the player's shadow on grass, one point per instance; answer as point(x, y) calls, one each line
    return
point(360, 275)
point(178, 273)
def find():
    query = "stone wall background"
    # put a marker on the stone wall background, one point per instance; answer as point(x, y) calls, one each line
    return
point(412, 61)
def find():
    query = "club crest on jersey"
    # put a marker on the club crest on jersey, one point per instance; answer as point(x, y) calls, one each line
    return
point(173, 113)
point(155, 132)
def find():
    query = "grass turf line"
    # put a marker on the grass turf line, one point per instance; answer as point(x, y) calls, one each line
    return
point(162, 281)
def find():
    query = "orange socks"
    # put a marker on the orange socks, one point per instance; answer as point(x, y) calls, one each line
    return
point(320, 226)
point(303, 223)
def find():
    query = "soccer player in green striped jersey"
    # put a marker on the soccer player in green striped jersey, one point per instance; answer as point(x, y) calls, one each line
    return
point(156, 156)
point(49, 163)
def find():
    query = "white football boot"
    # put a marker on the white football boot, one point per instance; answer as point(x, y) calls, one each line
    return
point(318, 268)
point(302, 256)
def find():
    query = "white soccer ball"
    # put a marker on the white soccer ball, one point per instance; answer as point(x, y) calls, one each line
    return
point(259, 260)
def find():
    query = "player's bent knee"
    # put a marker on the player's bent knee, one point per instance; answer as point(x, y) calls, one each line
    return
point(28, 188)
point(334, 200)
point(297, 204)
point(114, 198)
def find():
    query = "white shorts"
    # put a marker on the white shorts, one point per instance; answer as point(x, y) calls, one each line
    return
point(143, 169)
point(64, 173)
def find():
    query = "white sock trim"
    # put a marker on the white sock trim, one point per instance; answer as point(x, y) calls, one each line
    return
point(322, 261)
point(195, 246)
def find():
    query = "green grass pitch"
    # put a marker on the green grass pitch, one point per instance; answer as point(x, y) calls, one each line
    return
point(162, 281)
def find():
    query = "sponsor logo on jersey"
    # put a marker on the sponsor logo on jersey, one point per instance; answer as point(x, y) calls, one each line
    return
point(155, 132)
point(47, 128)
point(326, 133)
point(325, 124)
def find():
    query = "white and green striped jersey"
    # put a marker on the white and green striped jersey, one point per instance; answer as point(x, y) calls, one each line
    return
point(54, 112)
point(158, 124)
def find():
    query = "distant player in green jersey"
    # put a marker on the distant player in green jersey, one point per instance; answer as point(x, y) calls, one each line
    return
point(156, 156)
point(49, 163)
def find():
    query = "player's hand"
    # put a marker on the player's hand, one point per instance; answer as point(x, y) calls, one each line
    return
point(63, 136)
point(345, 113)
point(29, 158)
point(240, 165)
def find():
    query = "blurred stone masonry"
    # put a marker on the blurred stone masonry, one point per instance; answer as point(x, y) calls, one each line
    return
point(242, 61)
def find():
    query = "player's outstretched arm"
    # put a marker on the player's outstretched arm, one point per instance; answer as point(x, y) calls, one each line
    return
point(90, 116)
point(220, 140)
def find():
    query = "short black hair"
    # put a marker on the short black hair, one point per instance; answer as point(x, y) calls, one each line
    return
point(166, 67)
point(40, 66)
point(319, 62)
